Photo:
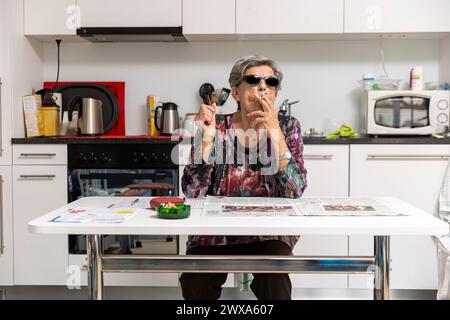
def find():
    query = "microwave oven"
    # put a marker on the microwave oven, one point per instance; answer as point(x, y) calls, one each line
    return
point(405, 112)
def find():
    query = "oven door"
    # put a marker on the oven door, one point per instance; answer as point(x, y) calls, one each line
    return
point(402, 112)
point(124, 183)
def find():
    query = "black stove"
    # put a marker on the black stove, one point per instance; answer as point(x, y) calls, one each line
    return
point(123, 170)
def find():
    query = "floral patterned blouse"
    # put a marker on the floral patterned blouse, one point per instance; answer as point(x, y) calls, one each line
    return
point(244, 178)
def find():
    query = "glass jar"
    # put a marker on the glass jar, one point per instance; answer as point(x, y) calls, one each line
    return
point(189, 124)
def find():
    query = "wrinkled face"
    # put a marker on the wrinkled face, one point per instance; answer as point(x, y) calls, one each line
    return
point(245, 93)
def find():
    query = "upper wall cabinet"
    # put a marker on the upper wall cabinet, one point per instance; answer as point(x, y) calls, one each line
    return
point(380, 16)
point(289, 17)
point(50, 17)
point(215, 19)
point(130, 13)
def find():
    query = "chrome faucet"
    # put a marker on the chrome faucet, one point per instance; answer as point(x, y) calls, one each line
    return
point(285, 107)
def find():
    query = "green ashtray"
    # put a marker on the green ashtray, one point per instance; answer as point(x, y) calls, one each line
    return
point(180, 211)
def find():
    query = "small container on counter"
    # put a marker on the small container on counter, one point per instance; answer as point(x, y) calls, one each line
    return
point(153, 101)
point(189, 125)
point(416, 79)
point(437, 85)
point(380, 84)
point(367, 81)
point(51, 119)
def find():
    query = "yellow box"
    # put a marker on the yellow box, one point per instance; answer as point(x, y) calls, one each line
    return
point(32, 106)
point(153, 101)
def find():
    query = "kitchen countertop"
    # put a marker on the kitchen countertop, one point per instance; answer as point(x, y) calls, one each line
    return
point(165, 140)
point(99, 140)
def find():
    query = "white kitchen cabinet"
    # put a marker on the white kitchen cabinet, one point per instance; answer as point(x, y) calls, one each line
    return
point(327, 167)
point(5, 85)
point(413, 173)
point(50, 17)
point(209, 19)
point(131, 13)
point(38, 259)
point(6, 228)
point(380, 16)
point(289, 17)
point(38, 154)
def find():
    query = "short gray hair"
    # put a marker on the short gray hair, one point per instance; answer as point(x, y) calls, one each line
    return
point(237, 72)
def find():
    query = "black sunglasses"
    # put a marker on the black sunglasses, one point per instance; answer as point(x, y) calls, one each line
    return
point(255, 80)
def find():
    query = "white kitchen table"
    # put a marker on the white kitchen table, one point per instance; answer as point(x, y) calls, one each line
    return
point(417, 222)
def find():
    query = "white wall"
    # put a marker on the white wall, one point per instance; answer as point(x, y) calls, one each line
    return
point(322, 74)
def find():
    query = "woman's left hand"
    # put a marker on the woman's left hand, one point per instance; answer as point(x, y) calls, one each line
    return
point(267, 118)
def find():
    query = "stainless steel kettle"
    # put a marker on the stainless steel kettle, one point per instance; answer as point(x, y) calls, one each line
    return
point(90, 115)
point(167, 119)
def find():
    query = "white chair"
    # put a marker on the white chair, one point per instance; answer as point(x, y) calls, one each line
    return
point(443, 255)
point(443, 243)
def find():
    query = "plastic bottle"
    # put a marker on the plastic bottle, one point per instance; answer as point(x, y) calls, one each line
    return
point(416, 79)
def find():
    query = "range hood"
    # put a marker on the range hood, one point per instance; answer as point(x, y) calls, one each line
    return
point(132, 34)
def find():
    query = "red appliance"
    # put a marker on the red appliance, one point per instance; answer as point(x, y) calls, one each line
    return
point(118, 89)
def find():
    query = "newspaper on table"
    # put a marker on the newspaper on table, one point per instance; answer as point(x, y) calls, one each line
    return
point(115, 213)
point(94, 215)
point(345, 207)
point(262, 206)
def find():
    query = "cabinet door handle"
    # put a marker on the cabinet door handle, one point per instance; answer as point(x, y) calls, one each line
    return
point(37, 176)
point(318, 156)
point(2, 242)
point(408, 157)
point(41, 155)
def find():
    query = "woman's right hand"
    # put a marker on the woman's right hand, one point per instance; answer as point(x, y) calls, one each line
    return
point(206, 121)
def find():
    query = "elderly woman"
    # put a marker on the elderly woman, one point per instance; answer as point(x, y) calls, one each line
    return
point(255, 81)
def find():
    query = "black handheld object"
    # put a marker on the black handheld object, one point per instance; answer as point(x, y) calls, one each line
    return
point(207, 94)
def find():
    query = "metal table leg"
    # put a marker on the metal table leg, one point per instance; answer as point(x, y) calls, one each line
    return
point(95, 267)
point(382, 268)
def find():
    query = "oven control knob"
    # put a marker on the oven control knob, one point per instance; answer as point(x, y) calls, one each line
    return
point(92, 158)
point(153, 158)
point(142, 158)
point(442, 118)
point(164, 158)
point(442, 104)
point(139, 158)
point(104, 158)
point(82, 159)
